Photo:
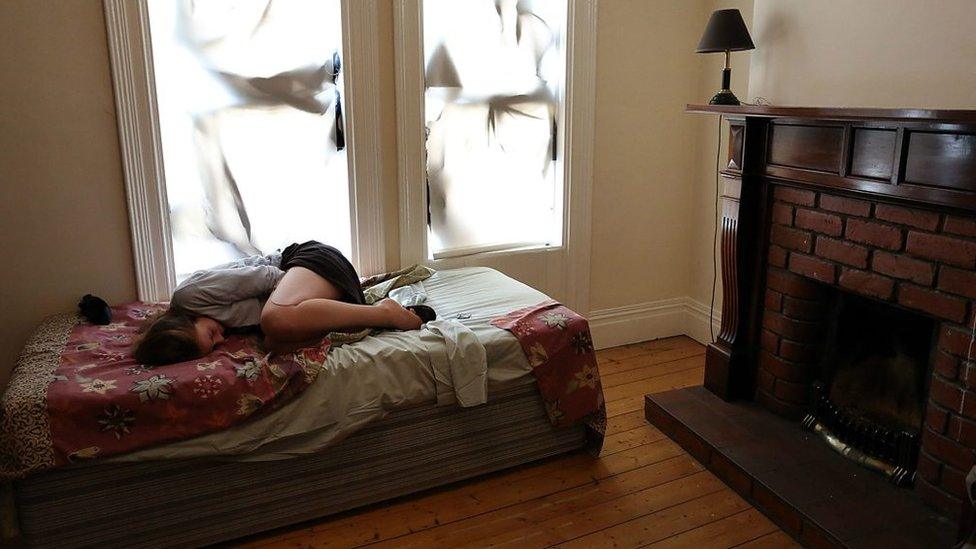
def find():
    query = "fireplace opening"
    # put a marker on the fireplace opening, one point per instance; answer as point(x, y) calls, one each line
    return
point(869, 401)
point(880, 361)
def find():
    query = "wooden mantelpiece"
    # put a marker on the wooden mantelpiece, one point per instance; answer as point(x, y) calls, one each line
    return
point(924, 157)
point(919, 158)
point(840, 113)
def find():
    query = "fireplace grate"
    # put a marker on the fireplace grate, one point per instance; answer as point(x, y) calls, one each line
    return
point(891, 451)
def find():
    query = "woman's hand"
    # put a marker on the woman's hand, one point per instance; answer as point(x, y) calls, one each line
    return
point(398, 317)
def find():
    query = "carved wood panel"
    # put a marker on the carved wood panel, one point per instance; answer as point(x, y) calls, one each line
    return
point(816, 148)
point(728, 371)
point(730, 275)
point(873, 153)
point(737, 136)
point(941, 160)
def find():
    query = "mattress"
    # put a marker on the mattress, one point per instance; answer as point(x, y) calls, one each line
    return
point(363, 382)
point(199, 501)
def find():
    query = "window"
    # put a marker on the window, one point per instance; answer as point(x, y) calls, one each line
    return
point(494, 75)
point(250, 101)
point(506, 73)
point(257, 104)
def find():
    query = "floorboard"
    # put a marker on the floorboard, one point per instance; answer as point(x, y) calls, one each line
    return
point(643, 491)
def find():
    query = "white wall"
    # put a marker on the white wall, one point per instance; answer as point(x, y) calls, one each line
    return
point(865, 53)
point(645, 146)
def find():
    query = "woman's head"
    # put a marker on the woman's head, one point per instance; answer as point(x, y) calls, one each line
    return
point(175, 336)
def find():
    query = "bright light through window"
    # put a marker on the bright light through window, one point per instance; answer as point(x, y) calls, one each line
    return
point(494, 80)
point(252, 144)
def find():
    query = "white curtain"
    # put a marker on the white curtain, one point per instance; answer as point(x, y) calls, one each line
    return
point(494, 73)
point(250, 95)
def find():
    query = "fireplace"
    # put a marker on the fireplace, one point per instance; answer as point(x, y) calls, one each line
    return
point(903, 269)
point(848, 244)
point(868, 395)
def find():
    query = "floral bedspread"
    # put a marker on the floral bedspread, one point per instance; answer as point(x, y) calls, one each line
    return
point(559, 348)
point(77, 393)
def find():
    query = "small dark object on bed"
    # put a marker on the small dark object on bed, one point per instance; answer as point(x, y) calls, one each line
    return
point(95, 309)
point(425, 313)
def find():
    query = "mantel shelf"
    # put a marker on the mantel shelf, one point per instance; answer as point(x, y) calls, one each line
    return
point(840, 113)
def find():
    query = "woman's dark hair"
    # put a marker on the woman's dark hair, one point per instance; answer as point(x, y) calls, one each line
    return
point(167, 339)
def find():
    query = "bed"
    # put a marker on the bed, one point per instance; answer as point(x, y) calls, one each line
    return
point(378, 422)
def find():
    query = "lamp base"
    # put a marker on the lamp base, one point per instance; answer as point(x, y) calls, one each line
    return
point(724, 97)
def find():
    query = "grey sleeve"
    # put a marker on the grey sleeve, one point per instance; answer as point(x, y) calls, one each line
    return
point(225, 286)
point(246, 312)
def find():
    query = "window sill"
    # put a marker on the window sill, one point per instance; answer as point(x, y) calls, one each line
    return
point(496, 250)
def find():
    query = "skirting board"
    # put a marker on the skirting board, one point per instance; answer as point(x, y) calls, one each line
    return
point(652, 320)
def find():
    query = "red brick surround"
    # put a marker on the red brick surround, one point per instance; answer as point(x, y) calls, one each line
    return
point(918, 259)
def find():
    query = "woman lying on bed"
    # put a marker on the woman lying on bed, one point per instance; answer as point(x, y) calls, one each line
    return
point(302, 294)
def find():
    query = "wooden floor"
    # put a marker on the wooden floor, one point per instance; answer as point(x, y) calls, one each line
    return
point(644, 490)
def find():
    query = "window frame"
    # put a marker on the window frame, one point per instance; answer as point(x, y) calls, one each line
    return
point(130, 53)
point(575, 144)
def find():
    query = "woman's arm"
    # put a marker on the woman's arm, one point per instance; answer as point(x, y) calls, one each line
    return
point(228, 295)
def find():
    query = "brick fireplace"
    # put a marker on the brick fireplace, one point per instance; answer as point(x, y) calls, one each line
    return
point(848, 246)
point(911, 258)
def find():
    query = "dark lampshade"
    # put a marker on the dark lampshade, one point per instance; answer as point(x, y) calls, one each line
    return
point(726, 31)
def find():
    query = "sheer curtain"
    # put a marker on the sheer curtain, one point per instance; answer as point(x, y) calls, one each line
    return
point(494, 78)
point(250, 95)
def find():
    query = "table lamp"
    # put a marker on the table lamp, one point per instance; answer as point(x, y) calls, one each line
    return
point(725, 32)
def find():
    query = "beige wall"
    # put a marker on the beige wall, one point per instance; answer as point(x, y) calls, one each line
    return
point(645, 150)
point(62, 204)
point(865, 53)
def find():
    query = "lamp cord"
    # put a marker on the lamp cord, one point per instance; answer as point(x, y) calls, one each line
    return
point(711, 307)
point(972, 341)
point(758, 101)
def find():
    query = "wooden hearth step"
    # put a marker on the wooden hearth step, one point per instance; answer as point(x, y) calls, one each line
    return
point(793, 477)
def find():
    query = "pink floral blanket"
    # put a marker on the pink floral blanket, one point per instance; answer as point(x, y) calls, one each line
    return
point(77, 393)
point(559, 348)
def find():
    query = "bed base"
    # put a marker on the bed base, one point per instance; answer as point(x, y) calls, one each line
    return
point(202, 501)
